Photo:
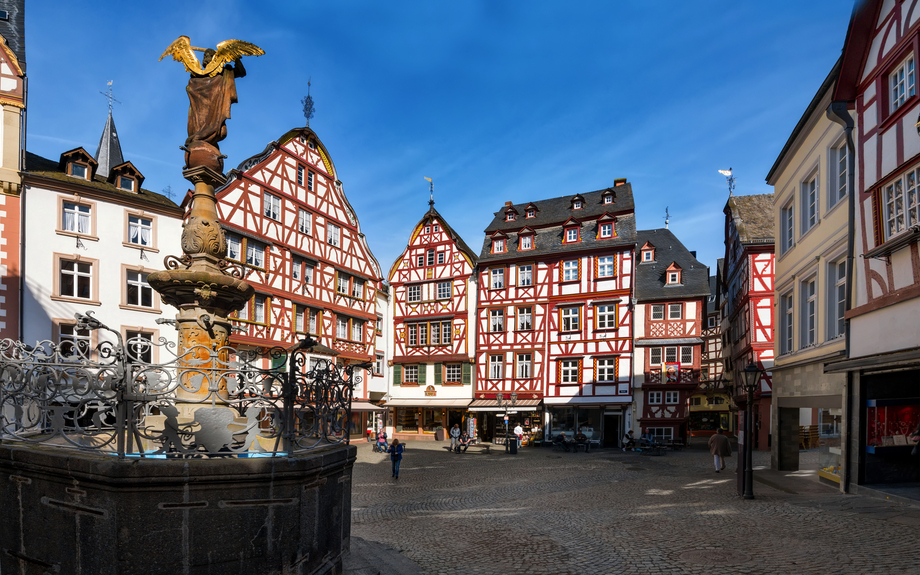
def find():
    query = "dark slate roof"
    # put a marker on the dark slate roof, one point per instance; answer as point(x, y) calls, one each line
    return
point(753, 216)
point(553, 213)
point(40, 167)
point(108, 154)
point(14, 29)
point(650, 276)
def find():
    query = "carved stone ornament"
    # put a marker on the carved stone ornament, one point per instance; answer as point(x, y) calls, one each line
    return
point(202, 236)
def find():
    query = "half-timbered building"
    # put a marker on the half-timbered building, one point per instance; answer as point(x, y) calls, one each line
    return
point(709, 406)
point(292, 231)
point(13, 108)
point(671, 289)
point(748, 310)
point(555, 313)
point(434, 330)
point(877, 93)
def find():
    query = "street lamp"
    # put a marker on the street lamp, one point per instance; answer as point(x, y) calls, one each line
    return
point(750, 384)
point(502, 402)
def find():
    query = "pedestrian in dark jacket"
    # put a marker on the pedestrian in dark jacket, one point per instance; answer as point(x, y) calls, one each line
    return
point(396, 451)
point(720, 448)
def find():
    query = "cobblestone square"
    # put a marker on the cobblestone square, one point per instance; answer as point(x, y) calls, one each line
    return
point(545, 511)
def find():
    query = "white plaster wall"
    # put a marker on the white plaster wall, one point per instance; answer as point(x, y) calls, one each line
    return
point(887, 329)
point(41, 243)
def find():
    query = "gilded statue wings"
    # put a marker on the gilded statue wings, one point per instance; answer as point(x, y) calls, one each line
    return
point(227, 51)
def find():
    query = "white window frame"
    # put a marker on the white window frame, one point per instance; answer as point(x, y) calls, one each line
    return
point(137, 226)
point(255, 255)
point(453, 373)
point(657, 312)
point(671, 397)
point(525, 318)
point(836, 298)
point(81, 218)
point(525, 275)
point(303, 221)
point(901, 203)
point(444, 290)
point(570, 270)
point(654, 356)
point(333, 235)
point(809, 295)
point(838, 183)
point(787, 227)
point(496, 320)
point(568, 371)
point(497, 277)
point(496, 366)
point(675, 311)
point(526, 242)
point(606, 230)
point(410, 374)
point(498, 246)
point(571, 235)
point(413, 293)
point(654, 397)
point(271, 206)
point(234, 248)
point(606, 369)
point(686, 355)
point(570, 318)
point(810, 206)
point(606, 316)
point(138, 280)
point(524, 366)
point(605, 266)
point(902, 83)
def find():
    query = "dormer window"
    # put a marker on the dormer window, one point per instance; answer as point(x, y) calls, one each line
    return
point(673, 274)
point(606, 230)
point(608, 198)
point(509, 217)
point(77, 170)
point(312, 144)
point(571, 235)
point(526, 243)
point(126, 183)
point(498, 245)
point(576, 205)
point(531, 213)
point(648, 253)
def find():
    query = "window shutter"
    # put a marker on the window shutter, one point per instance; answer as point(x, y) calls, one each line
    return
point(397, 375)
point(438, 367)
point(466, 373)
point(422, 372)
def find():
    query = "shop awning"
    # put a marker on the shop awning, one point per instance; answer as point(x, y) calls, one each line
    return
point(492, 405)
point(365, 406)
point(427, 402)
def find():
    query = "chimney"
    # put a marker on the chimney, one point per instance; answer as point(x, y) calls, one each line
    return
point(619, 182)
point(508, 204)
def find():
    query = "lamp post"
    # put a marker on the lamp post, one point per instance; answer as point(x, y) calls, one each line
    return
point(750, 383)
point(502, 402)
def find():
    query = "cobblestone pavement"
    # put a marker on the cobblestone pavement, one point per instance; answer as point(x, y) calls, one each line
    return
point(547, 511)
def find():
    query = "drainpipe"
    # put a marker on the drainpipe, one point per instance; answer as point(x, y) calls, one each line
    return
point(837, 112)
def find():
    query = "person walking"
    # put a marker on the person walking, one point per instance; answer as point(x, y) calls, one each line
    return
point(720, 448)
point(454, 436)
point(519, 434)
point(396, 451)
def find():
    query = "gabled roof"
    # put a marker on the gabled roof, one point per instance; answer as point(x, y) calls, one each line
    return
point(753, 217)
point(855, 48)
point(432, 214)
point(125, 168)
point(553, 214)
point(651, 280)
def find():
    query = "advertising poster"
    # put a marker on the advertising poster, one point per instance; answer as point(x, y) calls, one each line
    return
point(671, 372)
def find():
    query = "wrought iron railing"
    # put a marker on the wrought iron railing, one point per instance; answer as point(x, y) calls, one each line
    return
point(203, 402)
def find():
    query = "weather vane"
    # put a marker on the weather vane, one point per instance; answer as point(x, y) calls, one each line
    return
point(108, 95)
point(430, 191)
point(308, 109)
point(730, 179)
point(667, 217)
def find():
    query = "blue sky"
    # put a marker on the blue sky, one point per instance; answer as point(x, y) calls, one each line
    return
point(495, 100)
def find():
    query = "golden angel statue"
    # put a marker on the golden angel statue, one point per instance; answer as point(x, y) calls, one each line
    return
point(211, 90)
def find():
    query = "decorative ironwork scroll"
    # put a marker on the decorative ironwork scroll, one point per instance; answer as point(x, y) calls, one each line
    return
point(115, 398)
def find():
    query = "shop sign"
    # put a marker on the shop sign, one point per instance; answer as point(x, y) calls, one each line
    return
point(430, 391)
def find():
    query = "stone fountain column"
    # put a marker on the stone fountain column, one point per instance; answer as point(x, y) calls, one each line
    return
point(201, 284)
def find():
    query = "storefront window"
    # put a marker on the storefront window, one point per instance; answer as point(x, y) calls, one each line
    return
point(432, 419)
point(407, 420)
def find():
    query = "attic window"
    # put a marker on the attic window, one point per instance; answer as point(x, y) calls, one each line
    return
point(126, 183)
point(576, 205)
point(4, 15)
point(608, 199)
point(673, 277)
point(571, 235)
point(435, 228)
point(312, 144)
point(77, 170)
point(509, 217)
point(531, 213)
point(498, 246)
point(648, 255)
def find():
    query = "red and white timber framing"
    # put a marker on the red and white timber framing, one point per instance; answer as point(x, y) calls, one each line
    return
point(433, 299)
point(883, 42)
point(297, 238)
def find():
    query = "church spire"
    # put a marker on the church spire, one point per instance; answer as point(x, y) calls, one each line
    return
point(108, 154)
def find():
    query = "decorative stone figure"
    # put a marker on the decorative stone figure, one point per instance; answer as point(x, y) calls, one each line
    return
point(211, 91)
